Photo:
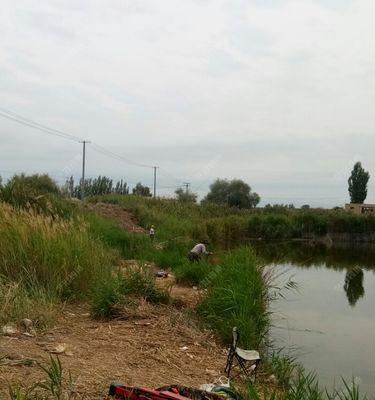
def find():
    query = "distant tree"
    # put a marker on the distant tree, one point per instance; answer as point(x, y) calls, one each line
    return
point(122, 188)
point(305, 206)
point(186, 196)
point(99, 186)
point(235, 193)
point(69, 186)
point(358, 184)
point(141, 190)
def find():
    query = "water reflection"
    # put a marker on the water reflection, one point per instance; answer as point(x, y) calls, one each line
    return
point(329, 320)
point(352, 258)
point(306, 254)
point(354, 285)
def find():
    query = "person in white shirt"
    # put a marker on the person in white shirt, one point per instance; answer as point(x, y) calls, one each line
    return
point(198, 251)
point(152, 233)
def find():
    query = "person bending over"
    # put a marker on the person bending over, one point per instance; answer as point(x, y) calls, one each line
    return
point(198, 251)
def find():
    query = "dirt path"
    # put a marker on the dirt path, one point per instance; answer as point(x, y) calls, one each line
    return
point(162, 347)
point(118, 214)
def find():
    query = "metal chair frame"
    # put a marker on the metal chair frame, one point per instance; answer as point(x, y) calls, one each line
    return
point(249, 367)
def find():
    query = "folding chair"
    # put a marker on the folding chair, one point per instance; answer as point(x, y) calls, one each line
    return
point(248, 360)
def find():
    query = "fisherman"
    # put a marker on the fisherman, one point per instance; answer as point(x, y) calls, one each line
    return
point(198, 251)
point(152, 233)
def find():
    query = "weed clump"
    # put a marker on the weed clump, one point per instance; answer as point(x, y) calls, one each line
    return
point(110, 296)
point(192, 273)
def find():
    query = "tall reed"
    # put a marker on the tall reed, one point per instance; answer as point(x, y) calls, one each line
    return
point(50, 255)
point(237, 295)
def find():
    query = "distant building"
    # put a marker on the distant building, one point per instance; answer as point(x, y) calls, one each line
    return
point(357, 208)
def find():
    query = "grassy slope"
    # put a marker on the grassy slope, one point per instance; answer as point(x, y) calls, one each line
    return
point(224, 225)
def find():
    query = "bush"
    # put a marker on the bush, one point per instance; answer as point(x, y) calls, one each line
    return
point(106, 295)
point(141, 282)
point(37, 192)
point(109, 295)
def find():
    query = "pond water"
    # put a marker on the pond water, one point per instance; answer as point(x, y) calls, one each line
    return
point(328, 323)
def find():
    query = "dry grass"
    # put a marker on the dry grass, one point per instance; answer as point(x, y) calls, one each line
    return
point(15, 305)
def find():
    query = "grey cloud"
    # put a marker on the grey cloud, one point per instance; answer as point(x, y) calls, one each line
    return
point(279, 93)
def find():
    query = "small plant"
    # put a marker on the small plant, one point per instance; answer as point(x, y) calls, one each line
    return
point(141, 282)
point(105, 297)
point(283, 367)
point(54, 382)
point(54, 387)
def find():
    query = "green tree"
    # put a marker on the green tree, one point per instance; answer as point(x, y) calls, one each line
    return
point(122, 188)
point(186, 196)
point(235, 193)
point(358, 183)
point(99, 186)
point(141, 190)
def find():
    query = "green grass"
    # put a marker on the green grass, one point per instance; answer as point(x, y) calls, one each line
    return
point(237, 296)
point(56, 385)
point(228, 226)
point(304, 386)
point(45, 261)
point(193, 273)
point(50, 255)
point(130, 245)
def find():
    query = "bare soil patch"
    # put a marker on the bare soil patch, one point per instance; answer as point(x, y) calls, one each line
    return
point(162, 347)
point(118, 214)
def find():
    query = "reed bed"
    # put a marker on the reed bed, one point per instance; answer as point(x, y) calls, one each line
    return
point(53, 255)
point(46, 260)
point(228, 226)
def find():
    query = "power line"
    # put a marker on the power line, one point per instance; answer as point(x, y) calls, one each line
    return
point(10, 115)
point(35, 125)
point(170, 187)
point(169, 175)
point(55, 132)
point(109, 153)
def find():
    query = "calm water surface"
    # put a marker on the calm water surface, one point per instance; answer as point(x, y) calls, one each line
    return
point(329, 322)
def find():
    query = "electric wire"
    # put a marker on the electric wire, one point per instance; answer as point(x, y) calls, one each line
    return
point(35, 125)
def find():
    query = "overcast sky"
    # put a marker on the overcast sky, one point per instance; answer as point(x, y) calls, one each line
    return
point(279, 93)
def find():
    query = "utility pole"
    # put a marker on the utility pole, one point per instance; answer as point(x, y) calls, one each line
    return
point(83, 169)
point(186, 184)
point(155, 168)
